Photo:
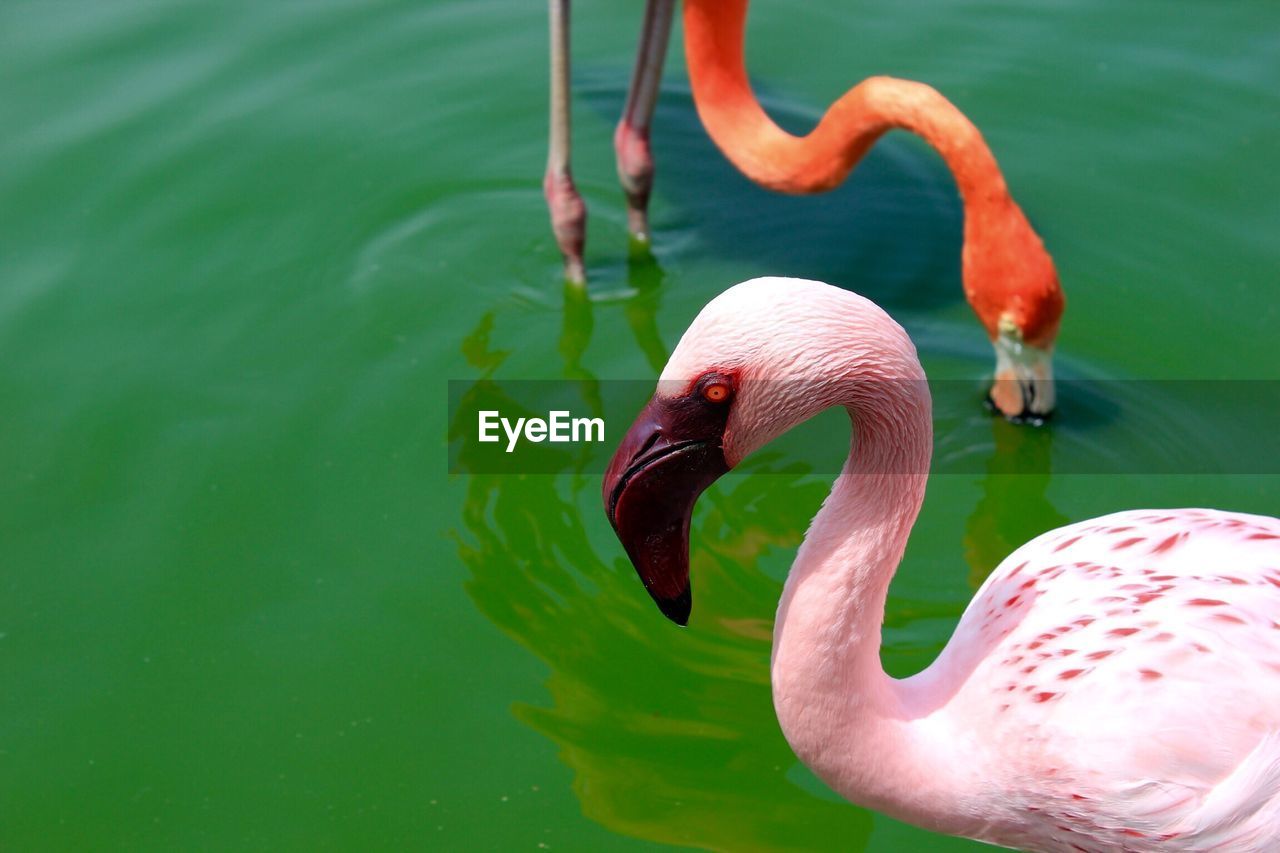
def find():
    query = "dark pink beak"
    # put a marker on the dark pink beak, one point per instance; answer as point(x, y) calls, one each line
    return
point(666, 460)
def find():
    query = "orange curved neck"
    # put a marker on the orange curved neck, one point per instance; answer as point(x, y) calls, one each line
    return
point(1008, 275)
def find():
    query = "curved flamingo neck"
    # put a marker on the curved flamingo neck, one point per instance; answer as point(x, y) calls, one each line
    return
point(1007, 273)
point(774, 158)
point(856, 727)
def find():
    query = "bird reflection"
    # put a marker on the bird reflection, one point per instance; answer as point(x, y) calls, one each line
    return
point(1014, 507)
point(645, 278)
point(575, 335)
point(671, 734)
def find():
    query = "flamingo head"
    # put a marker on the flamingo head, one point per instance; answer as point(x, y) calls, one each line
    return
point(760, 358)
point(1022, 389)
point(1012, 285)
point(673, 451)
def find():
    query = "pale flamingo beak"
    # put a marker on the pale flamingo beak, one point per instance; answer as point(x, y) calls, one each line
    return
point(667, 459)
point(1023, 390)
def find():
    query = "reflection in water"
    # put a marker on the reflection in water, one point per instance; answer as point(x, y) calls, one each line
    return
point(476, 349)
point(1017, 477)
point(671, 734)
point(645, 278)
point(575, 335)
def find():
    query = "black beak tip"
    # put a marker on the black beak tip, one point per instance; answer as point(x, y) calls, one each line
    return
point(1026, 417)
point(676, 609)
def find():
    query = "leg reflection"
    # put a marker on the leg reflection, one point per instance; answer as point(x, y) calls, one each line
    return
point(646, 277)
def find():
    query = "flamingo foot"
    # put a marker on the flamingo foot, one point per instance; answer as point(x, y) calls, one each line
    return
point(568, 222)
point(635, 171)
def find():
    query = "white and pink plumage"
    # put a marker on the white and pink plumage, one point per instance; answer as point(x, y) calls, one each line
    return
point(1114, 685)
point(1130, 665)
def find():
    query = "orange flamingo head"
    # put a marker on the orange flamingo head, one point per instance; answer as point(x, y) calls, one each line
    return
point(1012, 284)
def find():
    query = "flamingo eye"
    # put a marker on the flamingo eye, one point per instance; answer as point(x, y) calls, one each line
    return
point(716, 392)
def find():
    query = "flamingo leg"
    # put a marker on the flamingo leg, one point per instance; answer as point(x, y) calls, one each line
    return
point(568, 212)
point(631, 139)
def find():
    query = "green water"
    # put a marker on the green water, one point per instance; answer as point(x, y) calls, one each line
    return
point(243, 247)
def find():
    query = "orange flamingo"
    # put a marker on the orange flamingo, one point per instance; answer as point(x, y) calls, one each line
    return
point(1009, 278)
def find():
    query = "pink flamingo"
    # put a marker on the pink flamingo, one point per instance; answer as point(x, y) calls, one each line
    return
point(1114, 684)
point(1009, 278)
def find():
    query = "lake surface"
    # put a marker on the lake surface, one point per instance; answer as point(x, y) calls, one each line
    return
point(245, 246)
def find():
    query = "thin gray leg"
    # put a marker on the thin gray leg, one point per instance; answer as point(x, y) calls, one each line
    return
point(631, 139)
point(568, 213)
